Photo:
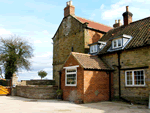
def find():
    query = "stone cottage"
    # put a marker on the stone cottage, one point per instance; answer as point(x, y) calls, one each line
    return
point(74, 34)
point(125, 51)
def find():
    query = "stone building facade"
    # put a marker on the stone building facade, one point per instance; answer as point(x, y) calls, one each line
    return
point(125, 49)
point(74, 34)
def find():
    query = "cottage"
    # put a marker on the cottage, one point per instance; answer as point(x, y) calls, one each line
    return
point(123, 52)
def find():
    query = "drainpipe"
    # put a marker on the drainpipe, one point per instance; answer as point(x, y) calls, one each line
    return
point(110, 86)
point(59, 79)
point(149, 100)
point(60, 83)
point(119, 66)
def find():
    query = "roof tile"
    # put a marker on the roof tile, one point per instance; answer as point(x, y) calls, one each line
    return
point(90, 61)
point(94, 25)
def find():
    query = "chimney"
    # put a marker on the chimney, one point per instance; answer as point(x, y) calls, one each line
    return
point(117, 24)
point(69, 9)
point(127, 16)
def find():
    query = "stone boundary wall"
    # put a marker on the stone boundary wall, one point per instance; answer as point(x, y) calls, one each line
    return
point(38, 82)
point(37, 92)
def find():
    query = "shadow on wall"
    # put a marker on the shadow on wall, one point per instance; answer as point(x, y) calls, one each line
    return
point(96, 37)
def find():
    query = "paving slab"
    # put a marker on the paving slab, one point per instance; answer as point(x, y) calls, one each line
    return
point(14, 104)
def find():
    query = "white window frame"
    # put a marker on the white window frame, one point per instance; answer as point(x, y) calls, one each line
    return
point(133, 77)
point(116, 43)
point(66, 73)
point(94, 48)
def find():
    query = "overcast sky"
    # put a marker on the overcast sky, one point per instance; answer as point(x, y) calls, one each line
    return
point(38, 20)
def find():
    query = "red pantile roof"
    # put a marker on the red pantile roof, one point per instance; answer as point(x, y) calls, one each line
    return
point(94, 25)
point(90, 62)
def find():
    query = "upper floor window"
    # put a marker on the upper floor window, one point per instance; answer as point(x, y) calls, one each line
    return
point(93, 48)
point(135, 78)
point(117, 43)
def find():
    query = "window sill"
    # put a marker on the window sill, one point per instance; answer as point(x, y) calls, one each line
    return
point(136, 86)
point(70, 85)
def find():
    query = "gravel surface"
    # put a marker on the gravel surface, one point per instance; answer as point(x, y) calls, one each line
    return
point(14, 104)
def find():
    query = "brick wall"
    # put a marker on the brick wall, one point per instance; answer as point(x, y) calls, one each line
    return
point(72, 93)
point(130, 59)
point(36, 92)
point(92, 86)
point(96, 86)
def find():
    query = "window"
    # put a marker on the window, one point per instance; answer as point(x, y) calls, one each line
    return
point(71, 76)
point(117, 43)
point(135, 78)
point(93, 48)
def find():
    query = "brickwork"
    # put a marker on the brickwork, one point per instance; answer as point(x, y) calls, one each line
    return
point(130, 59)
point(96, 86)
point(91, 37)
point(92, 86)
point(72, 93)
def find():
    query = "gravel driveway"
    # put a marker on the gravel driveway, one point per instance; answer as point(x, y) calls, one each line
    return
point(14, 104)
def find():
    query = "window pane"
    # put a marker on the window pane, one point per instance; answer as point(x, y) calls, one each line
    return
point(71, 78)
point(71, 70)
point(138, 78)
point(115, 43)
point(119, 42)
point(95, 48)
point(129, 78)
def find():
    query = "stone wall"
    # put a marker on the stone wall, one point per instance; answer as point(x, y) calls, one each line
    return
point(40, 82)
point(131, 59)
point(36, 92)
point(70, 36)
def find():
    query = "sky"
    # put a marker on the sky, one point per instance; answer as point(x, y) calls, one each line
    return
point(37, 21)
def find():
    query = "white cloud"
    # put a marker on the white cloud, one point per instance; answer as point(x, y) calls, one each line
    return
point(4, 31)
point(115, 11)
point(102, 6)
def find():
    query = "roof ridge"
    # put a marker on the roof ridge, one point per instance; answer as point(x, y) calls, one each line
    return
point(139, 20)
point(93, 21)
point(80, 53)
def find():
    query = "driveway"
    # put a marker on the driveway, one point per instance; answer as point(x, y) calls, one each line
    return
point(14, 104)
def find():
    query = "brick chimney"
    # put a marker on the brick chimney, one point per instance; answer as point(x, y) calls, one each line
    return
point(69, 9)
point(117, 24)
point(127, 16)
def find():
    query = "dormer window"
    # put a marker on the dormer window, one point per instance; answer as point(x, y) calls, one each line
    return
point(117, 43)
point(93, 48)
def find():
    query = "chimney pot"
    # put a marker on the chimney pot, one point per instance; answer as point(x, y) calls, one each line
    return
point(119, 21)
point(127, 8)
point(127, 16)
point(70, 2)
point(115, 21)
